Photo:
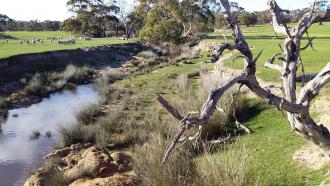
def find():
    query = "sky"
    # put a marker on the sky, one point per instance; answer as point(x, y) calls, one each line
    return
point(57, 9)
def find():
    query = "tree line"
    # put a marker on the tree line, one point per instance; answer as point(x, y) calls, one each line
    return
point(8, 24)
point(174, 21)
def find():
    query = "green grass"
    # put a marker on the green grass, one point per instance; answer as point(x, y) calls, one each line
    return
point(13, 47)
point(260, 38)
point(270, 149)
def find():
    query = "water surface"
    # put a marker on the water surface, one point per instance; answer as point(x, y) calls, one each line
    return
point(19, 154)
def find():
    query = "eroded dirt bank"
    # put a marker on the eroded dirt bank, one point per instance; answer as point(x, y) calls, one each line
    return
point(16, 70)
point(13, 69)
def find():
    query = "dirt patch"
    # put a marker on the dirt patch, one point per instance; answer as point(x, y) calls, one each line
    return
point(310, 155)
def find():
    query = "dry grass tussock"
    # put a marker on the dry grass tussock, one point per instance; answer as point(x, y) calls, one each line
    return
point(193, 163)
point(44, 83)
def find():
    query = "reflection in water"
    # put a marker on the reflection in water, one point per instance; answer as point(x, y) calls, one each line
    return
point(19, 154)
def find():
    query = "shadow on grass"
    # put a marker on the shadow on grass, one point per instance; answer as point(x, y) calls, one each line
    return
point(6, 36)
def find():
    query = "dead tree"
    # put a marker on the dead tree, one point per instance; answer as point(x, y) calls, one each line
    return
point(296, 106)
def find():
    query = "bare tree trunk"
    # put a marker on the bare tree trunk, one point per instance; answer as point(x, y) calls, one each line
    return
point(297, 108)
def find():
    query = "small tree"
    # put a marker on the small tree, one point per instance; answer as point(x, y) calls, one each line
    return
point(248, 19)
point(126, 17)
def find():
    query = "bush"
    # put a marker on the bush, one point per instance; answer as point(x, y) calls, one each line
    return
point(77, 134)
point(41, 84)
point(48, 134)
point(35, 135)
point(228, 169)
point(89, 114)
point(187, 53)
point(179, 170)
point(72, 71)
point(37, 85)
point(148, 55)
point(3, 109)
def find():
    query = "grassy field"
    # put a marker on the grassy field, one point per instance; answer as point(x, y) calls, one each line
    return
point(269, 148)
point(13, 47)
point(267, 151)
point(261, 38)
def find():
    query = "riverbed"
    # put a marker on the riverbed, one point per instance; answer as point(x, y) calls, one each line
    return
point(19, 153)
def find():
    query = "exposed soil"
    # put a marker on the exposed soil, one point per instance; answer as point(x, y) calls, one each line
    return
point(14, 69)
point(310, 155)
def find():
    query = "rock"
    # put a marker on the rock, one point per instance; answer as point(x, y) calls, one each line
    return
point(37, 179)
point(83, 164)
point(121, 158)
point(115, 180)
point(93, 161)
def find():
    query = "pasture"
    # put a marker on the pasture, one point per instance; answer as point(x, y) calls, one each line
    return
point(13, 47)
point(261, 37)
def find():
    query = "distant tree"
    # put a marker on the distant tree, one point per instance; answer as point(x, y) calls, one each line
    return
point(264, 17)
point(33, 25)
point(248, 19)
point(220, 20)
point(126, 17)
point(173, 20)
point(94, 15)
point(163, 24)
point(324, 6)
point(4, 20)
point(71, 25)
point(51, 25)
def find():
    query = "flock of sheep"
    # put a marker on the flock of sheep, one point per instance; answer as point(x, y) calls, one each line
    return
point(60, 40)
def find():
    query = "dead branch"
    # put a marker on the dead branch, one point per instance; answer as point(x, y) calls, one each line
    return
point(270, 64)
point(313, 87)
point(309, 44)
point(276, 13)
point(241, 126)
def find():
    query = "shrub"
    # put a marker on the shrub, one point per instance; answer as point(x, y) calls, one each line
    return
point(115, 75)
point(77, 134)
point(35, 135)
point(187, 53)
point(193, 74)
point(37, 84)
point(48, 134)
point(72, 71)
point(3, 109)
point(179, 170)
point(52, 175)
point(228, 169)
point(148, 55)
point(173, 76)
point(89, 114)
point(41, 84)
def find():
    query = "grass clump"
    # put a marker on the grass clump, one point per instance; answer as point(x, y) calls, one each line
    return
point(44, 83)
point(48, 134)
point(77, 134)
point(89, 114)
point(35, 135)
point(3, 109)
point(179, 170)
point(37, 84)
point(148, 55)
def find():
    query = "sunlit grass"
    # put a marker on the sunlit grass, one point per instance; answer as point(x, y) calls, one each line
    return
point(13, 47)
